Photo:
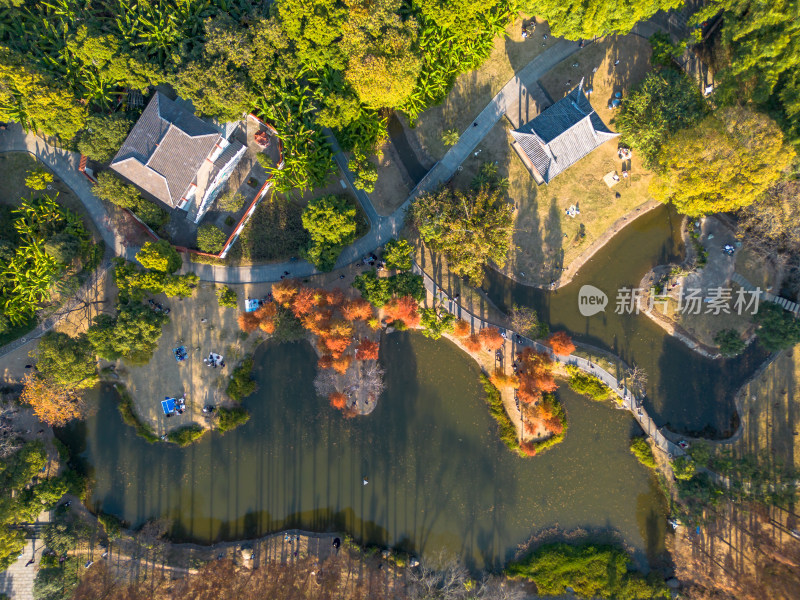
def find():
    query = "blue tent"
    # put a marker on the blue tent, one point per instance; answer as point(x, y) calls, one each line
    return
point(168, 405)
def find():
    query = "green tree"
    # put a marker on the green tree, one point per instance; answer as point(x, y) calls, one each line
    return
point(210, 238)
point(383, 65)
point(591, 570)
point(241, 383)
point(66, 361)
point(665, 102)
point(664, 51)
point(642, 451)
point(230, 200)
point(407, 283)
point(112, 189)
point(397, 254)
point(730, 342)
point(436, 322)
point(227, 297)
point(777, 328)
point(133, 334)
point(38, 178)
point(584, 19)
point(331, 223)
point(37, 101)
point(471, 229)
point(683, 467)
point(724, 163)
point(760, 43)
point(375, 290)
point(230, 418)
point(103, 136)
point(159, 256)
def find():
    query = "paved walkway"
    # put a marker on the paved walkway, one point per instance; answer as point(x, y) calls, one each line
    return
point(627, 400)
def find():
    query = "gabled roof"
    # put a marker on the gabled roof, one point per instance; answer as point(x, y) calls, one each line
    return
point(165, 150)
point(563, 134)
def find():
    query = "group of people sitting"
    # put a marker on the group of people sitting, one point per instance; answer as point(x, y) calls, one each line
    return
point(213, 360)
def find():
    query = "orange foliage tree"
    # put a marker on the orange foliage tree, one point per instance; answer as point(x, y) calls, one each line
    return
point(52, 404)
point(247, 321)
point(367, 350)
point(535, 375)
point(528, 448)
point(267, 326)
point(338, 400)
point(336, 345)
point(340, 365)
point(491, 338)
point(334, 297)
point(355, 310)
point(472, 343)
point(325, 361)
point(304, 302)
point(402, 309)
point(462, 329)
point(501, 380)
point(561, 343)
point(284, 292)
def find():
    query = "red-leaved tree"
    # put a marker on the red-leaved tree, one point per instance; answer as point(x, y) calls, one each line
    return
point(472, 343)
point(462, 329)
point(338, 400)
point(304, 302)
point(247, 321)
point(491, 338)
point(561, 343)
point(358, 309)
point(367, 350)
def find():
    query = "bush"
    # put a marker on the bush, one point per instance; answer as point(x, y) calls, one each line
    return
point(103, 136)
point(231, 201)
point(505, 428)
point(159, 256)
point(227, 297)
point(550, 404)
point(111, 524)
point(407, 284)
point(210, 238)
point(729, 341)
point(230, 418)
point(642, 450)
point(129, 416)
point(186, 435)
point(241, 383)
point(777, 328)
point(683, 467)
point(592, 571)
point(588, 385)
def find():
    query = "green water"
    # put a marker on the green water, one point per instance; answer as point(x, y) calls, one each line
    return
point(686, 392)
point(438, 476)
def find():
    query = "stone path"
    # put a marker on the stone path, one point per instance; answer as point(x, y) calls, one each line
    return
point(16, 582)
point(764, 295)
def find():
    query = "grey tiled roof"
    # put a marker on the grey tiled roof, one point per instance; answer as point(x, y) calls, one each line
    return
point(563, 134)
point(165, 150)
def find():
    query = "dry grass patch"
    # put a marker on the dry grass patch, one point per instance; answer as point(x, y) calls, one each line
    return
point(393, 185)
point(545, 239)
point(474, 90)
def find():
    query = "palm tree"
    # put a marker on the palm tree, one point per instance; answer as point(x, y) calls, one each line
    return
point(450, 137)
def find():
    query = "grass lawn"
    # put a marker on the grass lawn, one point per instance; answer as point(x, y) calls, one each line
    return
point(393, 185)
point(473, 91)
point(545, 239)
point(275, 231)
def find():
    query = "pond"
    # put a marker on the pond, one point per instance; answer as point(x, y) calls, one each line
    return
point(685, 391)
point(438, 475)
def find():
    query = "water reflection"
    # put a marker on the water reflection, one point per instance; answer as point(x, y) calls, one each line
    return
point(439, 477)
point(686, 391)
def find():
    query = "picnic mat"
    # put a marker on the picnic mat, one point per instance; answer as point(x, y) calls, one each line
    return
point(168, 405)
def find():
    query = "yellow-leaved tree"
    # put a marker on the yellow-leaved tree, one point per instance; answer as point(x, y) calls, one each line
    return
point(724, 163)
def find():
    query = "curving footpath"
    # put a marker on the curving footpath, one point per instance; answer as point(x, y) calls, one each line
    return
point(628, 401)
point(382, 228)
